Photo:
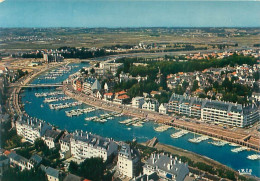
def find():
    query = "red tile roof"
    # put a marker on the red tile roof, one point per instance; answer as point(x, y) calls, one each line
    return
point(123, 97)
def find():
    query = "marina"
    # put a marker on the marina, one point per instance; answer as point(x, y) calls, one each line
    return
point(179, 134)
point(123, 132)
point(55, 99)
point(254, 157)
point(77, 112)
point(239, 149)
point(45, 94)
point(218, 143)
point(198, 139)
point(134, 122)
point(59, 72)
point(162, 128)
point(64, 105)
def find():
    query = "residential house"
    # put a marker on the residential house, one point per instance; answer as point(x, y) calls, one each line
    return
point(150, 104)
point(108, 96)
point(137, 102)
point(65, 151)
point(50, 137)
point(35, 160)
point(163, 109)
point(121, 97)
point(51, 173)
point(19, 161)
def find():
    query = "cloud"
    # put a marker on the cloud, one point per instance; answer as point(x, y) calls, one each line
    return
point(2, 1)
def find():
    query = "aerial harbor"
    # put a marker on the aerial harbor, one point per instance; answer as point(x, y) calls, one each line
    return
point(152, 90)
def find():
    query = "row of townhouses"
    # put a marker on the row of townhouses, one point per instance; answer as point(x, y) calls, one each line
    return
point(217, 112)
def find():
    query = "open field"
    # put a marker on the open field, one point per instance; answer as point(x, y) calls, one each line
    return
point(31, 39)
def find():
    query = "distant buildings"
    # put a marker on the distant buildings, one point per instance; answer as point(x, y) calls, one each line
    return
point(109, 68)
point(128, 161)
point(53, 57)
point(166, 167)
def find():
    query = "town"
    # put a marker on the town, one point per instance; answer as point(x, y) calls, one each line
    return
point(224, 96)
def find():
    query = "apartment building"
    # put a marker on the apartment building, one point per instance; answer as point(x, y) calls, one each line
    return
point(128, 161)
point(217, 112)
point(166, 167)
point(53, 57)
point(86, 145)
point(31, 128)
point(229, 114)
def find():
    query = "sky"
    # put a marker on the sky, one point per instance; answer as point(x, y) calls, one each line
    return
point(129, 13)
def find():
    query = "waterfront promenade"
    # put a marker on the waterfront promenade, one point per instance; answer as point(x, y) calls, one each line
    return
point(238, 136)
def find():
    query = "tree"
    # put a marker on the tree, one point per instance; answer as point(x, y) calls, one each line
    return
point(14, 174)
point(41, 146)
point(185, 84)
point(92, 71)
point(202, 95)
point(195, 85)
point(91, 168)
point(73, 167)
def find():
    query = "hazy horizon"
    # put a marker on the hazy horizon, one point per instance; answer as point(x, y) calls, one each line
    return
point(128, 14)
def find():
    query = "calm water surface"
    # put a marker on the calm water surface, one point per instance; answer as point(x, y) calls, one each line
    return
point(118, 131)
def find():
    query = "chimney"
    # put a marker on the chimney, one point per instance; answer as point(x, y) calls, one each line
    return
point(153, 160)
point(169, 167)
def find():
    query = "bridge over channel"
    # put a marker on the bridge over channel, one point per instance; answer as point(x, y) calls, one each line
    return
point(41, 85)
